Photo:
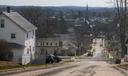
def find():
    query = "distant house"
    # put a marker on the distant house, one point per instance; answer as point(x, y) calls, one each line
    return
point(47, 45)
point(50, 45)
point(20, 34)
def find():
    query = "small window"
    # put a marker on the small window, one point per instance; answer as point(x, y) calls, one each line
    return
point(2, 23)
point(47, 43)
point(13, 35)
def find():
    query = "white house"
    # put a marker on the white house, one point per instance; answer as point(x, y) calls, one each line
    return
point(20, 34)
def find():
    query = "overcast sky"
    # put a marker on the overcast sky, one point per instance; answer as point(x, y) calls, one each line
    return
point(91, 3)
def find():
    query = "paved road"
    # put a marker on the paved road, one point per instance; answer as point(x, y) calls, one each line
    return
point(94, 66)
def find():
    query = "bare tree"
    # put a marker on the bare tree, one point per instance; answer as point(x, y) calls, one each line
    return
point(78, 39)
point(121, 12)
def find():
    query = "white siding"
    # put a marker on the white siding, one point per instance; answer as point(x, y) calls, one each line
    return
point(21, 38)
point(10, 27)
point(30, 45)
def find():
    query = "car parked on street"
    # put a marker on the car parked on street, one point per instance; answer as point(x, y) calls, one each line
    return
point(90, 54)
point(52, 59)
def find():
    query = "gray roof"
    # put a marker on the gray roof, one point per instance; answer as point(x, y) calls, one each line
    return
point(20, 21)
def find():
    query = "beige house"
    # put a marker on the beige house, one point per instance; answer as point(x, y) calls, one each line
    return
point(48, 45)
point(45, 46)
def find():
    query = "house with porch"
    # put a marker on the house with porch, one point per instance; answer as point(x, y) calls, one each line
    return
point(20, 35)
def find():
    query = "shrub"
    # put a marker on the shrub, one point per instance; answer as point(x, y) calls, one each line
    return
point(5, 51)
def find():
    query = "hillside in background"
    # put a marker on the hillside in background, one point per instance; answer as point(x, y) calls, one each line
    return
point(63, 8)
point(58, 20)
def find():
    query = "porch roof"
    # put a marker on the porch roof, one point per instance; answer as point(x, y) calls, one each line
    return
point(15, 45)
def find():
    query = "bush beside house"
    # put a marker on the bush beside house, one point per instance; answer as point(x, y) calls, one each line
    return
point(5, 51)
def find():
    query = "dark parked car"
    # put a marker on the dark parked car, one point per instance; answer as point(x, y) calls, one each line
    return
point(52, 59)
point(57, 59)
point(117, 61)
point(49, 59)
point(90, 54)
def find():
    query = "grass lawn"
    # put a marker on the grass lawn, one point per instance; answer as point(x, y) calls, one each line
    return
point(5, 65)
point(9, 66)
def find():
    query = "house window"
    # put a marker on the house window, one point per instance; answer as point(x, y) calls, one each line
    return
point(47, 43)
point(13, 35)
point(2, 23)
point(41, 43)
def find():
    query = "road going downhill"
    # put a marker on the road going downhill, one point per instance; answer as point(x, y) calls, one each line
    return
point(94, 66)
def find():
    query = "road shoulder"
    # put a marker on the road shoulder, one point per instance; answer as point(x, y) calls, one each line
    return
point(125, 72)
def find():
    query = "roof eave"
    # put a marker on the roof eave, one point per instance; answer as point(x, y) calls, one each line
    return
point(35, 28)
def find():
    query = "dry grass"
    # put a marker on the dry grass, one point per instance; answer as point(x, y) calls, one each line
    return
point(6, 63)
point(124, 66)
point(10, 65)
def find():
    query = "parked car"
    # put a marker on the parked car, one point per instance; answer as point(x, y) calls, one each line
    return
point(90, 54)
point(101, 45)
point(57, 59)
point(49, 59)
point(52, 59)
point(117, 61)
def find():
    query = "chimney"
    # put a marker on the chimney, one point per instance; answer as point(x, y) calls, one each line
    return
point(8, 9)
